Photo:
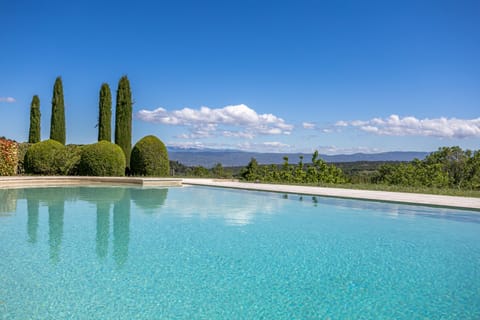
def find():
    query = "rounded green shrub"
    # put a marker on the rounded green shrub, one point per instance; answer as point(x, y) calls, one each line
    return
point(46, 157)
point(149, 158)
point(102, 159)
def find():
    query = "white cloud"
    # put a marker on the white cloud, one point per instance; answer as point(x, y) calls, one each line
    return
point(205, 122)
point(7, 99)
point(308, 125)
point(411, 126)
point(341, 123)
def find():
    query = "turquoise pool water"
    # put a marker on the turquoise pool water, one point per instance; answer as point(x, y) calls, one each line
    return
point(206, 253)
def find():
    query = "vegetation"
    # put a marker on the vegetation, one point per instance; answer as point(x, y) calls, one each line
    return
point(50, 157)
point(123, 118)
point(57, 124)
point(218, 171)
point(8, 157)
point(105, 114)
point(102, 159)
point(150, 158)
point(449, 167)
point(316, 172)
point(34, 132)
point(22, 150)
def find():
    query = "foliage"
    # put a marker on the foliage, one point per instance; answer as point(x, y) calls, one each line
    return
point(218, 171)
point(72, 157)
point(102, 159)
point(449, 167)
point(22, 150)
point(199, 171)
point(150, 158)
point(318, 171)
point(123, 118)
point(50, 157)
point(8, 157)
point(57, 124)
point(105, 114)
point(34, 132)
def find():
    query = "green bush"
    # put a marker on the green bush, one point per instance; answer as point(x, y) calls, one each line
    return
point(150, 158)
point(48, 157)
point(22, 150)
point(102, 159)
point(71, 158)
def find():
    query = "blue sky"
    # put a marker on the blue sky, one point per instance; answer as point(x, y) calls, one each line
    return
point(337, 76)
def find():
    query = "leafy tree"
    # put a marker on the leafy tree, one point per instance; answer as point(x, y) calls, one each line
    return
point(218, 171)
point(453, 161)
point(57, 124)
point(123, 118)
point(105, 114)
point(34, 132)
point(251, 172)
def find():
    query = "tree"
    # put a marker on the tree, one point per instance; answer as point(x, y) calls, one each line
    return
point(123, 118)
point(57, 124)
point(105, 114)
point(34, 133)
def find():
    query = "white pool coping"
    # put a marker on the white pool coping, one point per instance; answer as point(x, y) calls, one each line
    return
point(42, 181)
point(387, 196)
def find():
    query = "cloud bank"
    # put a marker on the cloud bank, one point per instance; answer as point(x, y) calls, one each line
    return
point(238, 121)
point(7, 99)
point(411, 126)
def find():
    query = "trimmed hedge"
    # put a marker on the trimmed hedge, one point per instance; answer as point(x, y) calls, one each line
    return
point(8, 157)
point(48, 157)
point(22, 150)
point(102, 159)
point(150, 158)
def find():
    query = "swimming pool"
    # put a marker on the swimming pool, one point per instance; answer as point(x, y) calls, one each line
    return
point(211, 253)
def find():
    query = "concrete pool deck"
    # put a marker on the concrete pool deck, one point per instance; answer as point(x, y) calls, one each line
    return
point(397, 197)
point(45, 181)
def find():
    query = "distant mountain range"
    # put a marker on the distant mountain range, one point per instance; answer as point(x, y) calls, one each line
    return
point(235, 158)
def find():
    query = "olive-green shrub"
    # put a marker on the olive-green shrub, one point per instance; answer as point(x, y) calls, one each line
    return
point(48, 157)
point(149, 158)
point(22, 150)
point(102, 159)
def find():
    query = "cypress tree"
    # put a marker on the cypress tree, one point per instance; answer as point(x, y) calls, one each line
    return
point(123, 118)
point(57, 124)
point(105, 114)
point(34, 133)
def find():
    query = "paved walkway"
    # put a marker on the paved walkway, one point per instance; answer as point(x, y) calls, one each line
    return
point(400, 197)
point(39, 181)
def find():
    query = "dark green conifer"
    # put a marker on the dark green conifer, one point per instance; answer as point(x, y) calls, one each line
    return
point(105, 114)
point(34, 133)
point(57, 124)
point(123, 118)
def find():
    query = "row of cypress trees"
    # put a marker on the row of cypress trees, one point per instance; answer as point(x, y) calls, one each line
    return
point(123, 116)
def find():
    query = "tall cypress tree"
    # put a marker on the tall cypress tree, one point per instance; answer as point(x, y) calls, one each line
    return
point(57, 124)
point(34, 133)
point(105, 114)
point(123, 118)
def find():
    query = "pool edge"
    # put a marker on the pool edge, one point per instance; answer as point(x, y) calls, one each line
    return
point(454, 202)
